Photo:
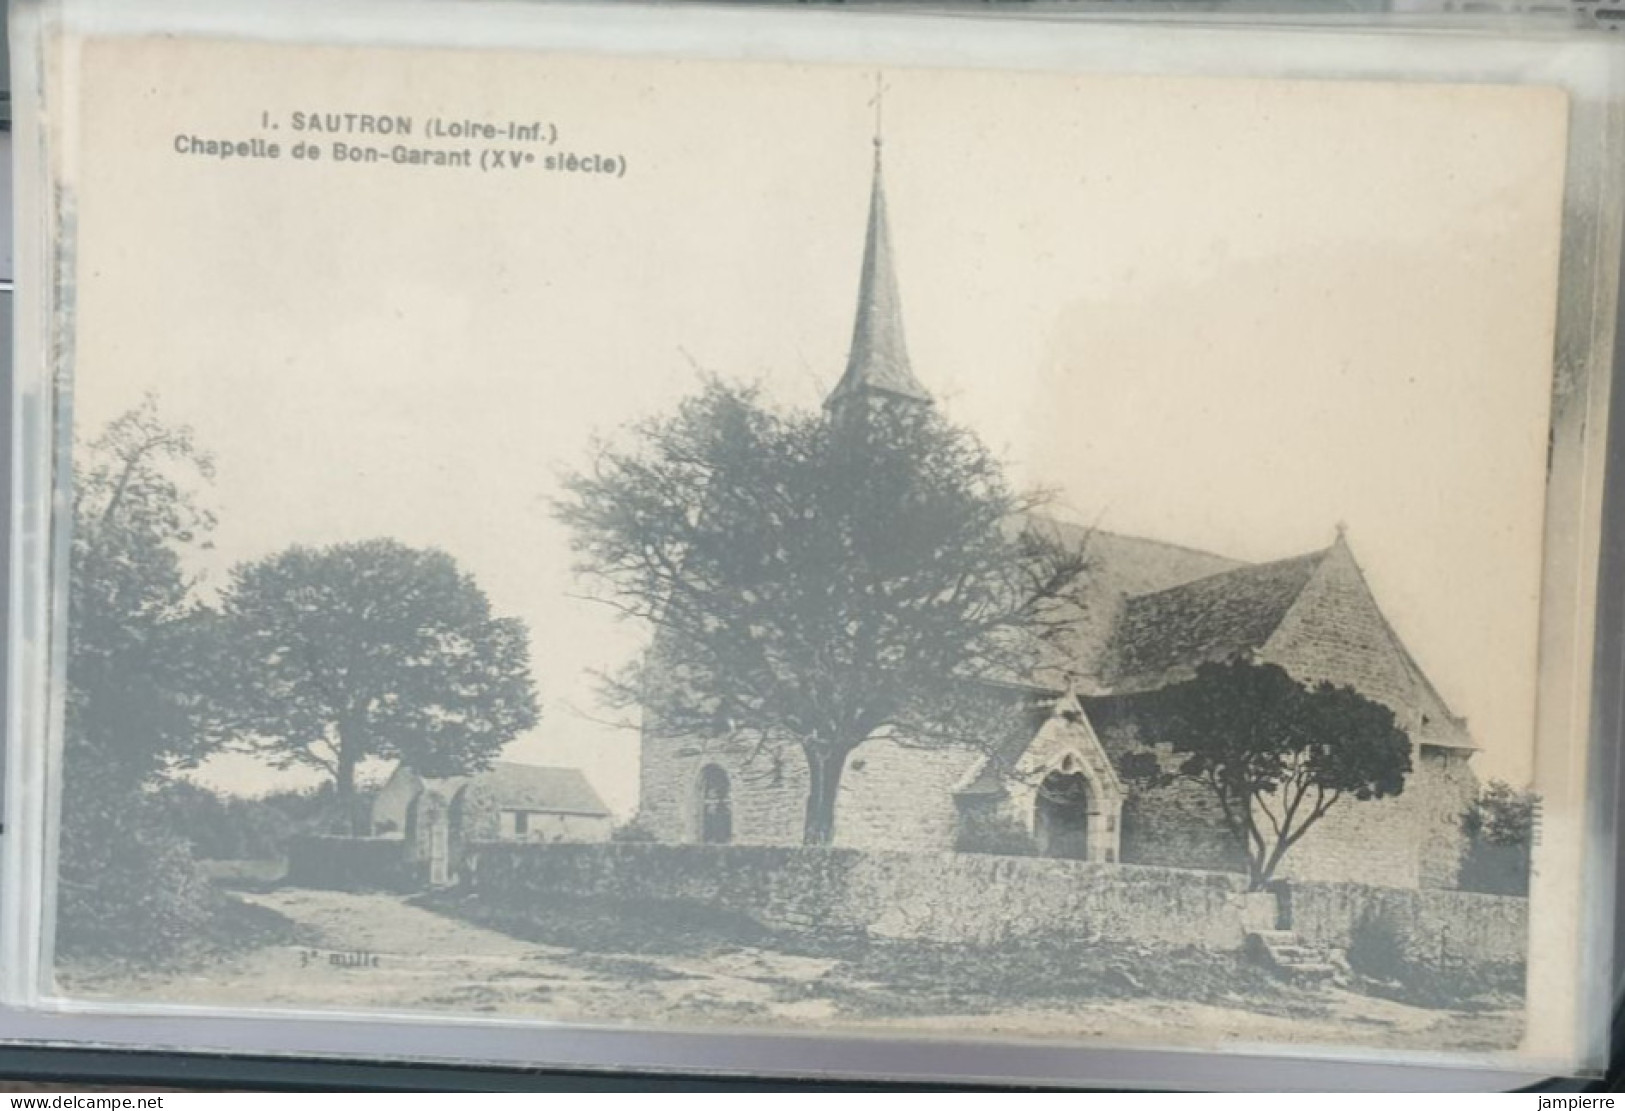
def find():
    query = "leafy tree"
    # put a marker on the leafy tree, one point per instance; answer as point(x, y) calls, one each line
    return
point(811, 581)
point(373, 649)
point(1276, 754)
point(137, 706)
point(1501, 826)
point(139, 644)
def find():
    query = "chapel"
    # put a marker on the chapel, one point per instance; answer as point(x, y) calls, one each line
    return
point(1145, 615)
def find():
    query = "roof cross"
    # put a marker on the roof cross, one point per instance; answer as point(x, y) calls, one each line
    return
point(879, 103)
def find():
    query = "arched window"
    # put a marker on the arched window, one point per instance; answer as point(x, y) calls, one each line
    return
point(716, 807)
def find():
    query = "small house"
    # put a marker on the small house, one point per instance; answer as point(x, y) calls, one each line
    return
point(439, 817)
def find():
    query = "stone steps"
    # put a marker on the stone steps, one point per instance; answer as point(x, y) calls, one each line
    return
point(1283, 952)
point(1276, 937)
point(1318, 970)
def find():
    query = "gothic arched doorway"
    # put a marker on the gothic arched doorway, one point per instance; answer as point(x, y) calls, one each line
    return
point(1061, 815)
point(716, 807)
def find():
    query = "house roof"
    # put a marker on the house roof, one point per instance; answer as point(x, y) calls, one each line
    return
point(1163, 635)
point(532, 787)
point(445, 785)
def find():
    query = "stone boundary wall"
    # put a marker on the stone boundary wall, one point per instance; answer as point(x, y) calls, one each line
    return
point(966, 898)
point(1433, 926)
point(352, 864)
point(942, 897)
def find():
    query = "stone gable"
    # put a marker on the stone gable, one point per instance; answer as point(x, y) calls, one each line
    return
point(1336, 632)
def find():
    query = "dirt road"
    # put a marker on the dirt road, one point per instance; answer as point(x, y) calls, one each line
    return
point(378, 952)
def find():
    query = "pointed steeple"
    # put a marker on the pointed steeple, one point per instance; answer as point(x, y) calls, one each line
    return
point(1340, 547)
point(878, 364)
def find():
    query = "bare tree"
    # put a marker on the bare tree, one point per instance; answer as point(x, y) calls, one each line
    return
point(815, 580)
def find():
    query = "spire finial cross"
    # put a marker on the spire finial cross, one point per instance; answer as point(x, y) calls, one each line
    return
point(879, 102)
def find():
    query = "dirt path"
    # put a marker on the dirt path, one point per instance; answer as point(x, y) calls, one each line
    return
point(374, 951)
point(377, 952)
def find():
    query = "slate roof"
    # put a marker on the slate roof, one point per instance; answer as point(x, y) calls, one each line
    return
point(1133, 564)
point(1145, 614)
point(1162, 636)
point(1118, 567)
point(1002, 755)
point(532, 787)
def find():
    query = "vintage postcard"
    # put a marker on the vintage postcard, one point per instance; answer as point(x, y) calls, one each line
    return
point(807, 547)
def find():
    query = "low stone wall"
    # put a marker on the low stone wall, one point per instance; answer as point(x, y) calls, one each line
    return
point(977, 899)
point(1432, 926)
point(352, 864)
point(943, 897)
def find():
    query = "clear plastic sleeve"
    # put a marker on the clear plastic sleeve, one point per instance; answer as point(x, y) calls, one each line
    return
point(1018, 546)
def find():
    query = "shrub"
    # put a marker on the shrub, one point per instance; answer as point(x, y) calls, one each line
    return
point(222, 827)
point(985, 828)
point(226, 827)
point(1377, 946)
point(130, 889)
point(127, 885)
point(1501, 826)
point(1381, 953)
point(317, 810)
point(633, 831)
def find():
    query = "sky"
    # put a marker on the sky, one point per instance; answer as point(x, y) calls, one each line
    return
point(1228, 314)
